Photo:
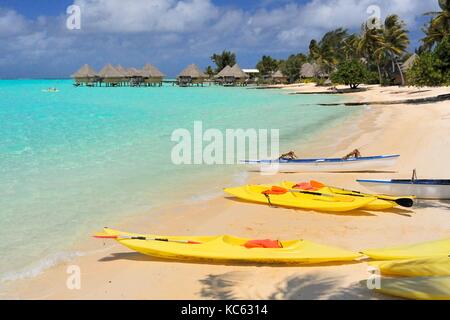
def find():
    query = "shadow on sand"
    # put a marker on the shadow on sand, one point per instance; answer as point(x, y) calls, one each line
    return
point(298, 287)
point(438, 204)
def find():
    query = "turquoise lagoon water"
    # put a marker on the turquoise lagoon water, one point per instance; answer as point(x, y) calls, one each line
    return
point(81, 158)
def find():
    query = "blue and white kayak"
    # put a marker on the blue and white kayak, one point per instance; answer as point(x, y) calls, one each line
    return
point(421, 188)
point(325, 164)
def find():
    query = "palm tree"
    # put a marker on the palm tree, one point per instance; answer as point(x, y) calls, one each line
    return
point(438, 27)
point(314, 50)
point(209, 71)
point(226, 58)
point(350, 47)
point(370, 41)
point(328, 52)
point(395, 42)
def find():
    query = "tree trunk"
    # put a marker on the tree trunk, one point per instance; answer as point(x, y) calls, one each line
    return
point(379, 74)
point(401, 72)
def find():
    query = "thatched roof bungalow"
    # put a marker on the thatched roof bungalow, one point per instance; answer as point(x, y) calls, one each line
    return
point(152, 75)
point(409, 62)
point(134, 73)
point(191, 75)
point(153, 71)
point(85, 75)
point(279, 77)
point(313, 70)
point(234, 75)
point(111, 76)
point(135, 77)
point(222, 72)
point(238, 73)
point(121, 69)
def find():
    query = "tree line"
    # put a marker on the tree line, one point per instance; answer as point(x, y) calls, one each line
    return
point(373, 55)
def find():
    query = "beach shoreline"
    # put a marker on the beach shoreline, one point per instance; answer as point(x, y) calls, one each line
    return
point(374, 130)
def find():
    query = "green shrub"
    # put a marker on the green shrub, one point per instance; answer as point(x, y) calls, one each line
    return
point(352, 73)
point(424, 72)
point(319, 81)
point(432, 68)
point(373, 77)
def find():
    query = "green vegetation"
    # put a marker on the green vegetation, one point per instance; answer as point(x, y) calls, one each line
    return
point(432, 68)
point(226, 58)
point(209, 71)
point(373, 55)
point(291, 67)
point(329, 51)
point(438, 27)
point(351, 73)
point(267, 65)
point(394, 42)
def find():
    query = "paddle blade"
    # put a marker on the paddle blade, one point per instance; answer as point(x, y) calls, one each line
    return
point(103, 235)
point(193, 242)
point(405, 202)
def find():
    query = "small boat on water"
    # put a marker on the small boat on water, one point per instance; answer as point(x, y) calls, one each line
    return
point(50, 90)
point(421, 188)
point(325, 164)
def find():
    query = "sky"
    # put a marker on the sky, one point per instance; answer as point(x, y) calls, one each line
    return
point(36, 43)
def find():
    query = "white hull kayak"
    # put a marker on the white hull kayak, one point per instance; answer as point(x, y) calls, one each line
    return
point(422, 189)
point(324, 164)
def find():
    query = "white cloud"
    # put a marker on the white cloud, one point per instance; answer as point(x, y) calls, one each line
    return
point(145, 15)
point(11, 23)
point(293, 23)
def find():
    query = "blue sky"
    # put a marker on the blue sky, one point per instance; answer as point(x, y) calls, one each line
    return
point(34, 41)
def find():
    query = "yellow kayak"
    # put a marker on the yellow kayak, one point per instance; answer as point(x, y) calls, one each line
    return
point(438, 248)
point(377, 204)
point(419, 288)
point(229, 248)
point(423, 267)
point(330, 203)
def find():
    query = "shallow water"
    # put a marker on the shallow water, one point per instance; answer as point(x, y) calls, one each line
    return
point(75, 160)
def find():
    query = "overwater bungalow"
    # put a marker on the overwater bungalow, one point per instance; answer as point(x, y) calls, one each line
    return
point(135, 76)
point(279, 78)
point(191, 75)
point(110, 76)
point(86, 75)
point(234, 76)
point(123, 71)
point(219, 77)
point(119, 76)
point(152, 75)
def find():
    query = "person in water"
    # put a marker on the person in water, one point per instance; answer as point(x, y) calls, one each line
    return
point(354, 154)
point(288, 156)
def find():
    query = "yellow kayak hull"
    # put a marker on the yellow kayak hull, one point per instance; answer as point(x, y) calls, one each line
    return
point(229, 248)
point(253, 193)
point(438, 248)
point(418, 288)
point(377, 204)
point(423, 267)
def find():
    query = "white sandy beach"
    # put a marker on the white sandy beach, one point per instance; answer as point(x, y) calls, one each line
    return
point(418, 132)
